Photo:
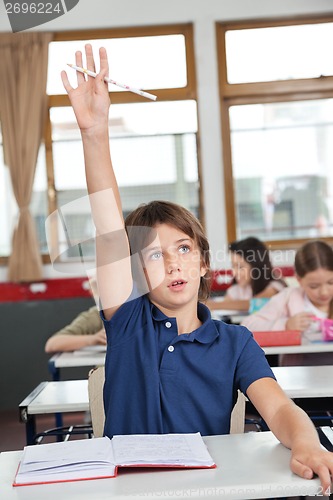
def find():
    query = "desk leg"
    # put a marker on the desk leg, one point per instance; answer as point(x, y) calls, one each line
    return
point(30, 426)
point(55, 372)
point(59, 420)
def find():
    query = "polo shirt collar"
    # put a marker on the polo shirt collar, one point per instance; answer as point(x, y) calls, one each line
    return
point(205, 334)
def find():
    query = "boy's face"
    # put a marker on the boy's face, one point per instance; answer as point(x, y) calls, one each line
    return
point(173, 268)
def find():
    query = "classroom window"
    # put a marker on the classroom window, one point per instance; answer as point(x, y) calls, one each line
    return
point(154, 144)
point(146, 62)
point(134, 130)
point(276, 90)
point(297, 52)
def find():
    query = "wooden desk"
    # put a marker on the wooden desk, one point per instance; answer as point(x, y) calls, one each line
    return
point(53, 397)
point(249, 466)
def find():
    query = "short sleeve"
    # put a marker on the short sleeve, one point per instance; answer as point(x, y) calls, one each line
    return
point(252, 365)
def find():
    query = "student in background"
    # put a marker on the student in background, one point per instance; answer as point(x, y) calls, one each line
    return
point(297, 308)
point(170, 367)
point(85, 330)
point(253, 276)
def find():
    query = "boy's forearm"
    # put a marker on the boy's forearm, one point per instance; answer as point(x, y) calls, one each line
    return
point(291, 425)
point(102, 184)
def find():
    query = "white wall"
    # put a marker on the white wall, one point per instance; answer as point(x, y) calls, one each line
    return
point(203, 14)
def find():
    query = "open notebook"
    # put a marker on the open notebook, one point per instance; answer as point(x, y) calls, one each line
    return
point(100, 457)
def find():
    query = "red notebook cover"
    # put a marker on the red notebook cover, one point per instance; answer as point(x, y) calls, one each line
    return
point(278, 338)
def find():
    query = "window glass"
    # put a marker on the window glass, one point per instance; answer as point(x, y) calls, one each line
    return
point(269, 54)
point(153, 153)
point(282, 155)
point(146, 62)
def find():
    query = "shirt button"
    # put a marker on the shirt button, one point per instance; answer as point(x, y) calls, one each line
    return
point(168, 324)
point(171, 348)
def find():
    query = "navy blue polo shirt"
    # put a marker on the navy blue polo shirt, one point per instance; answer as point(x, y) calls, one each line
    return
point(157, 381)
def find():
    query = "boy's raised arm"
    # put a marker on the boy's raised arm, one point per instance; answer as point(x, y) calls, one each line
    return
point(90, 101)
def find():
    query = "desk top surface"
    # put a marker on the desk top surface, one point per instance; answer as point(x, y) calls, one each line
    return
point(249, 466)
point(305, 381)
point(89, 357)
point(82, 357)
point(63, 396)
point(305, 347)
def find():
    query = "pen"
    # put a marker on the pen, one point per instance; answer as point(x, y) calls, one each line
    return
point(109, 80)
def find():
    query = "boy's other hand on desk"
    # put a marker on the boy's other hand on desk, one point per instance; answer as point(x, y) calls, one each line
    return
point(306, 462)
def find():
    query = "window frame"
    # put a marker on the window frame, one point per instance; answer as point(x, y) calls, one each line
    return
point(189, 92)
point(260, 93)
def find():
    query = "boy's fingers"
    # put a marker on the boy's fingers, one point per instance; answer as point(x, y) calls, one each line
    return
point(90, 57)
point(78, 62)
point(307, 473)
point(104, 61)
point(301, 469)
point(65, 82)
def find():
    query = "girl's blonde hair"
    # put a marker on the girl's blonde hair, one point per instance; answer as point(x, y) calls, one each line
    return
point(165, 212)
point(312, 256)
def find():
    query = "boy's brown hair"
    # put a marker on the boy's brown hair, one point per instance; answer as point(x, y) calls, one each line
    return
point(165, 212)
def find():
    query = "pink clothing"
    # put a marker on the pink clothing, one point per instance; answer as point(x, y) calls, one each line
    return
point(275, 314)
point(237, 292)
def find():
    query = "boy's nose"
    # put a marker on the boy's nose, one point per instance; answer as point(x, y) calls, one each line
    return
point(173, 266)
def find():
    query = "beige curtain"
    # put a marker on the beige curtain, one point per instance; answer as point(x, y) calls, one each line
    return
point(23, 102)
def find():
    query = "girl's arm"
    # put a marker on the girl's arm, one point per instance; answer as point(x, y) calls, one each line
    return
point(271, 289)
point(272, 316)
point(294, 429)
point(91, 102)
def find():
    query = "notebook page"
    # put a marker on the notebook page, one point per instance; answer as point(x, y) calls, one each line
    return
point(157, 449)
point(63, 454)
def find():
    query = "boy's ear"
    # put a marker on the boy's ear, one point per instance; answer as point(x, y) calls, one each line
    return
point(298, 278)
point(203, 270)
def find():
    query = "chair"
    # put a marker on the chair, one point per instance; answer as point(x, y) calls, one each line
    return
point(95, 391)
point(237, 422)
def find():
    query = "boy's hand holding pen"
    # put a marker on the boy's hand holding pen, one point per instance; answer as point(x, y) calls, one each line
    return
point(90, 99)
point(118, 84)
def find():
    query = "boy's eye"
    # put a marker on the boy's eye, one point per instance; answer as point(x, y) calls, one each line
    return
point(184, 249)
point(156, 256)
